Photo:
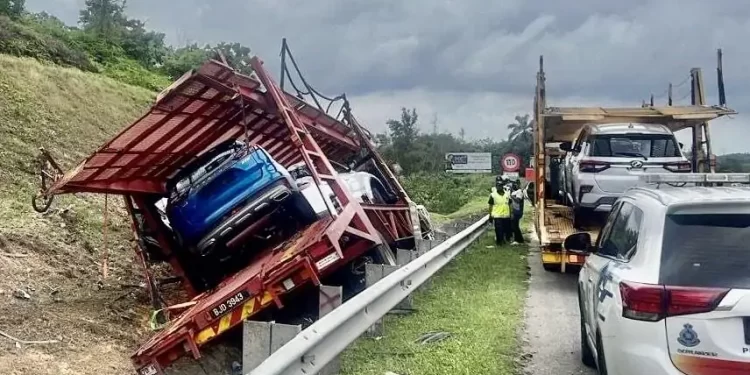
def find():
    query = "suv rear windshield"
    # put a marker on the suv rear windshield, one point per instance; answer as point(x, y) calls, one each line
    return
point(706, 251)
point(634, 145)
point(201, 166)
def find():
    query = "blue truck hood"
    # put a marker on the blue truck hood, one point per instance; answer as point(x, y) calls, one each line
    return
point(214, 196)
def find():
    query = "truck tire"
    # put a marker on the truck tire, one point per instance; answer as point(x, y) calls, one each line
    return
point(301, 209)
point(579, 216)
point(551, 267)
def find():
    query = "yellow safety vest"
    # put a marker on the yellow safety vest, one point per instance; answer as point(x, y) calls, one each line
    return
point(500, 207)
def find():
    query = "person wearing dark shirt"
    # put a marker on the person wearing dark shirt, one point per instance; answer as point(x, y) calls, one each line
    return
point(516, 213)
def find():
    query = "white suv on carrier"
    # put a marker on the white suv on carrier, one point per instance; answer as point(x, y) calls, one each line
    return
point(606, 160)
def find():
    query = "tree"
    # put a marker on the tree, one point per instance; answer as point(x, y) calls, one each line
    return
point(181, 60)
point(147, 47)
point(520, 130)
point(105, 18)
point(403, 134)
point(404, 131)
point(12, 8)
point(237, 55)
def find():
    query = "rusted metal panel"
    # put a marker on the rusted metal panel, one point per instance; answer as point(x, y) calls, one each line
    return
point(563, 123)
point(202, 108)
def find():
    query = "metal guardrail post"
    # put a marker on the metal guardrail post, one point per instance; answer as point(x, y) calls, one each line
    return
point(322, 341)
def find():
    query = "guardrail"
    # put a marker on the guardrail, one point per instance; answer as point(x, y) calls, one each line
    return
point(313, 348)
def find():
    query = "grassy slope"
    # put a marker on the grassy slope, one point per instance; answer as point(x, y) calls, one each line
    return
point(478, 299)
point(70, 113)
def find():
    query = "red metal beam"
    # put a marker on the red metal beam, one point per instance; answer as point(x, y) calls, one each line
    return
point(223, 106)
point(140, 137)
point(144, 186)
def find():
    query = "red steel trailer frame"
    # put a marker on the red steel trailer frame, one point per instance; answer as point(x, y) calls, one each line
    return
point(201, 109)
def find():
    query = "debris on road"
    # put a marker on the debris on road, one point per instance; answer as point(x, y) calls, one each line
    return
point(27, 342)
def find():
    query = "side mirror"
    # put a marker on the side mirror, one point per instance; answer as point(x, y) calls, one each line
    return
point(681, 145)
point(578, 242)
point(566, 146)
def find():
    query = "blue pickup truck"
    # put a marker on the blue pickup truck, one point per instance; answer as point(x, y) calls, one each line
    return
point(226, 192)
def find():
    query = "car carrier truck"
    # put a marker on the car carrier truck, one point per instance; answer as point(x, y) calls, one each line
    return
point(552, 126)
point(213, 114)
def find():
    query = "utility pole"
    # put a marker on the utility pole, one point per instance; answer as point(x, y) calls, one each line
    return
point(720, 78)
point(670, 94)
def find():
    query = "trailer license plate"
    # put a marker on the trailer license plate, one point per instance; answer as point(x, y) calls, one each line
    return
point(229, 304)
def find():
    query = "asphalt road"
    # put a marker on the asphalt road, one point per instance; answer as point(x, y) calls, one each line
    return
point(551, 324)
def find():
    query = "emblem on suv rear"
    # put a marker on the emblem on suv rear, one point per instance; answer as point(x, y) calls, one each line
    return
point(636, 164)
point(688, 337)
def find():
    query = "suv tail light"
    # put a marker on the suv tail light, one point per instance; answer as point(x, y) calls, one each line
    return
point(678, 167)
point(592, 166)
point(654, 302)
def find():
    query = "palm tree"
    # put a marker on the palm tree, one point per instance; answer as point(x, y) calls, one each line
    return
point(520, 130)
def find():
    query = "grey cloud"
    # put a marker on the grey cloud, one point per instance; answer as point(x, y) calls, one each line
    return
point(603, 51)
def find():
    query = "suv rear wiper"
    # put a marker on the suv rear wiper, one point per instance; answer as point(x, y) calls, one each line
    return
point(634, 154)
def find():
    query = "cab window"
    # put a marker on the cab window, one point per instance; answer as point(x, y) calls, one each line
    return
point(604, 233)
point(622, 238)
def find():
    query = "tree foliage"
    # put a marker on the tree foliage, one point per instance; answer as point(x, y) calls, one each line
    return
point(108, 41)
point(737, 163)
point(520, 130)
point(12, 8)
point(418, 152)
point(104, 18)
point(237, 55)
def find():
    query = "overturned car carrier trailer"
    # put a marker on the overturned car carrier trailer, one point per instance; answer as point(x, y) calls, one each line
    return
point(206, 107)
point(554, 220)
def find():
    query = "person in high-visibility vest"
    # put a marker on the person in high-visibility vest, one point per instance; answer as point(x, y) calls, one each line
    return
point(499, 207)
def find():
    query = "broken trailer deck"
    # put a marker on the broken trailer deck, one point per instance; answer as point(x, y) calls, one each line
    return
point(201, 109)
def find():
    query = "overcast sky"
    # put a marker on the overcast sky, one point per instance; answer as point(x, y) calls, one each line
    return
point(473, 62)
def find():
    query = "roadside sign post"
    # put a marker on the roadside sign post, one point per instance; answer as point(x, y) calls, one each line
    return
point(510, 164)
point(468, 162)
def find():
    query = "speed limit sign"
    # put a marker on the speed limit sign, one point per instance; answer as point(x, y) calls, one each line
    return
point(510, 163)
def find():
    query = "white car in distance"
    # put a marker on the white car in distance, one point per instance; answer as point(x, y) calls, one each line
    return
point(665, 289)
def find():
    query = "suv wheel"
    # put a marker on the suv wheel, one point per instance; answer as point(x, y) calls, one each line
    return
point(587, 356)
point(601, 362)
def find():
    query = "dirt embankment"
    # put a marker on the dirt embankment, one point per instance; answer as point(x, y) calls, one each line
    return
point(51, 284)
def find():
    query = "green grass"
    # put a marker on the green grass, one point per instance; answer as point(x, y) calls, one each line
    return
point(446, 193)
point(478, 298)
point(71, 113)
point(474, 206)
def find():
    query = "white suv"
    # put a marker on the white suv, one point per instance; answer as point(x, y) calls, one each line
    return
point(665, 290)
point(606, 160)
